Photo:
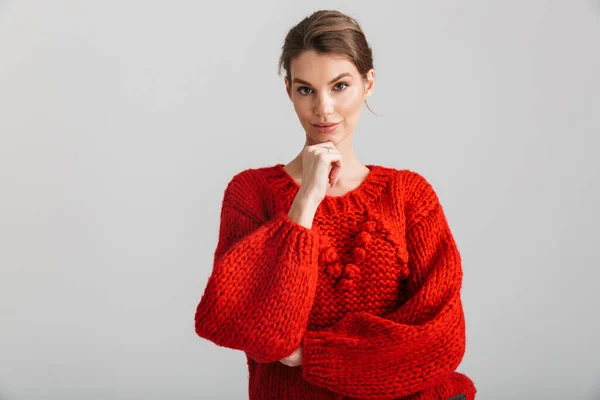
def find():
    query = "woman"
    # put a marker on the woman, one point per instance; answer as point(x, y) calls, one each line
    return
point(338, 280)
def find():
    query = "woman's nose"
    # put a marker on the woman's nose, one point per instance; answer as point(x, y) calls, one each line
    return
point(324, 105)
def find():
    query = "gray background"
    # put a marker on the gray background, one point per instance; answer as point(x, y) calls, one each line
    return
point(122, 122)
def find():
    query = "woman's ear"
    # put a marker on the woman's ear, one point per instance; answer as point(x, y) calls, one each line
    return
point(369, 82)
point(287, 87)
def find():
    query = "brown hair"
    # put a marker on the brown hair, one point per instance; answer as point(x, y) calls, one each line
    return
point(328, 31)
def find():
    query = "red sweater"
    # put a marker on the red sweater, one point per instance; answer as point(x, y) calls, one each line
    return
point(371, 292)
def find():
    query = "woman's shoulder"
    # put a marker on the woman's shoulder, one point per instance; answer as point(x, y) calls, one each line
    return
point(252, 176)
point(245, 188)
point(413, 181)
point(249, 174)
point(417, 193)
point(406, 175)
point(409, 182)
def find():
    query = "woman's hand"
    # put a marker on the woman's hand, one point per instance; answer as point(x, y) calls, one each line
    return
point(294, 359)
point(320, 168)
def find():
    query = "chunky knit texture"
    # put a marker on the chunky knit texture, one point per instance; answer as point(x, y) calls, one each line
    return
point(371, 292)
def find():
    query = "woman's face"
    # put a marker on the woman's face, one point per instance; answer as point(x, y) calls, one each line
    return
point(327, 88)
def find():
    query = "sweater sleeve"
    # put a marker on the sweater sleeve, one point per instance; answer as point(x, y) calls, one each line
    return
point(415, 346)
point(263, 281)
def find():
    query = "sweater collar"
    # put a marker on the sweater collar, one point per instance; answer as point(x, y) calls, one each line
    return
point(361, 196)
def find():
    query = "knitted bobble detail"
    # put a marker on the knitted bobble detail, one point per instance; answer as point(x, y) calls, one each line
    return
point(363, 238)
point(328, 255)
point(358, 254)
point(351, 271)
point(369, 226)
point(335, 269)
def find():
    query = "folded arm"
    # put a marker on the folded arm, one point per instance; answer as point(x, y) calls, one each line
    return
point(263, 281)
point(415, 346)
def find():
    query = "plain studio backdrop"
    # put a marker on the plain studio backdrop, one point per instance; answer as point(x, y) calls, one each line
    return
point(122, 121)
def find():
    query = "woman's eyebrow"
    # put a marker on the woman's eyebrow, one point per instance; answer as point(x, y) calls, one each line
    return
point(298, 80)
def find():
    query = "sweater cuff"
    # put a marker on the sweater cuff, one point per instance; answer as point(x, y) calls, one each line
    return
point(301, 237)
point(318, 359)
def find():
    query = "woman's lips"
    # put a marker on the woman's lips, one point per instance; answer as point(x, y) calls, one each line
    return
point(326, 129)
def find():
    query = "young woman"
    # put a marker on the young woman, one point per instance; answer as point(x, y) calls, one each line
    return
point(338, 280)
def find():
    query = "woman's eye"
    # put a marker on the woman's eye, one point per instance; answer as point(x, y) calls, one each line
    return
point(300, 89)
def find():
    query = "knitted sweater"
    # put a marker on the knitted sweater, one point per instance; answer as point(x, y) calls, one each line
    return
point(371, 292)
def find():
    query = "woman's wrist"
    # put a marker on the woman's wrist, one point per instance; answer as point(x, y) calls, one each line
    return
point(303, 209)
